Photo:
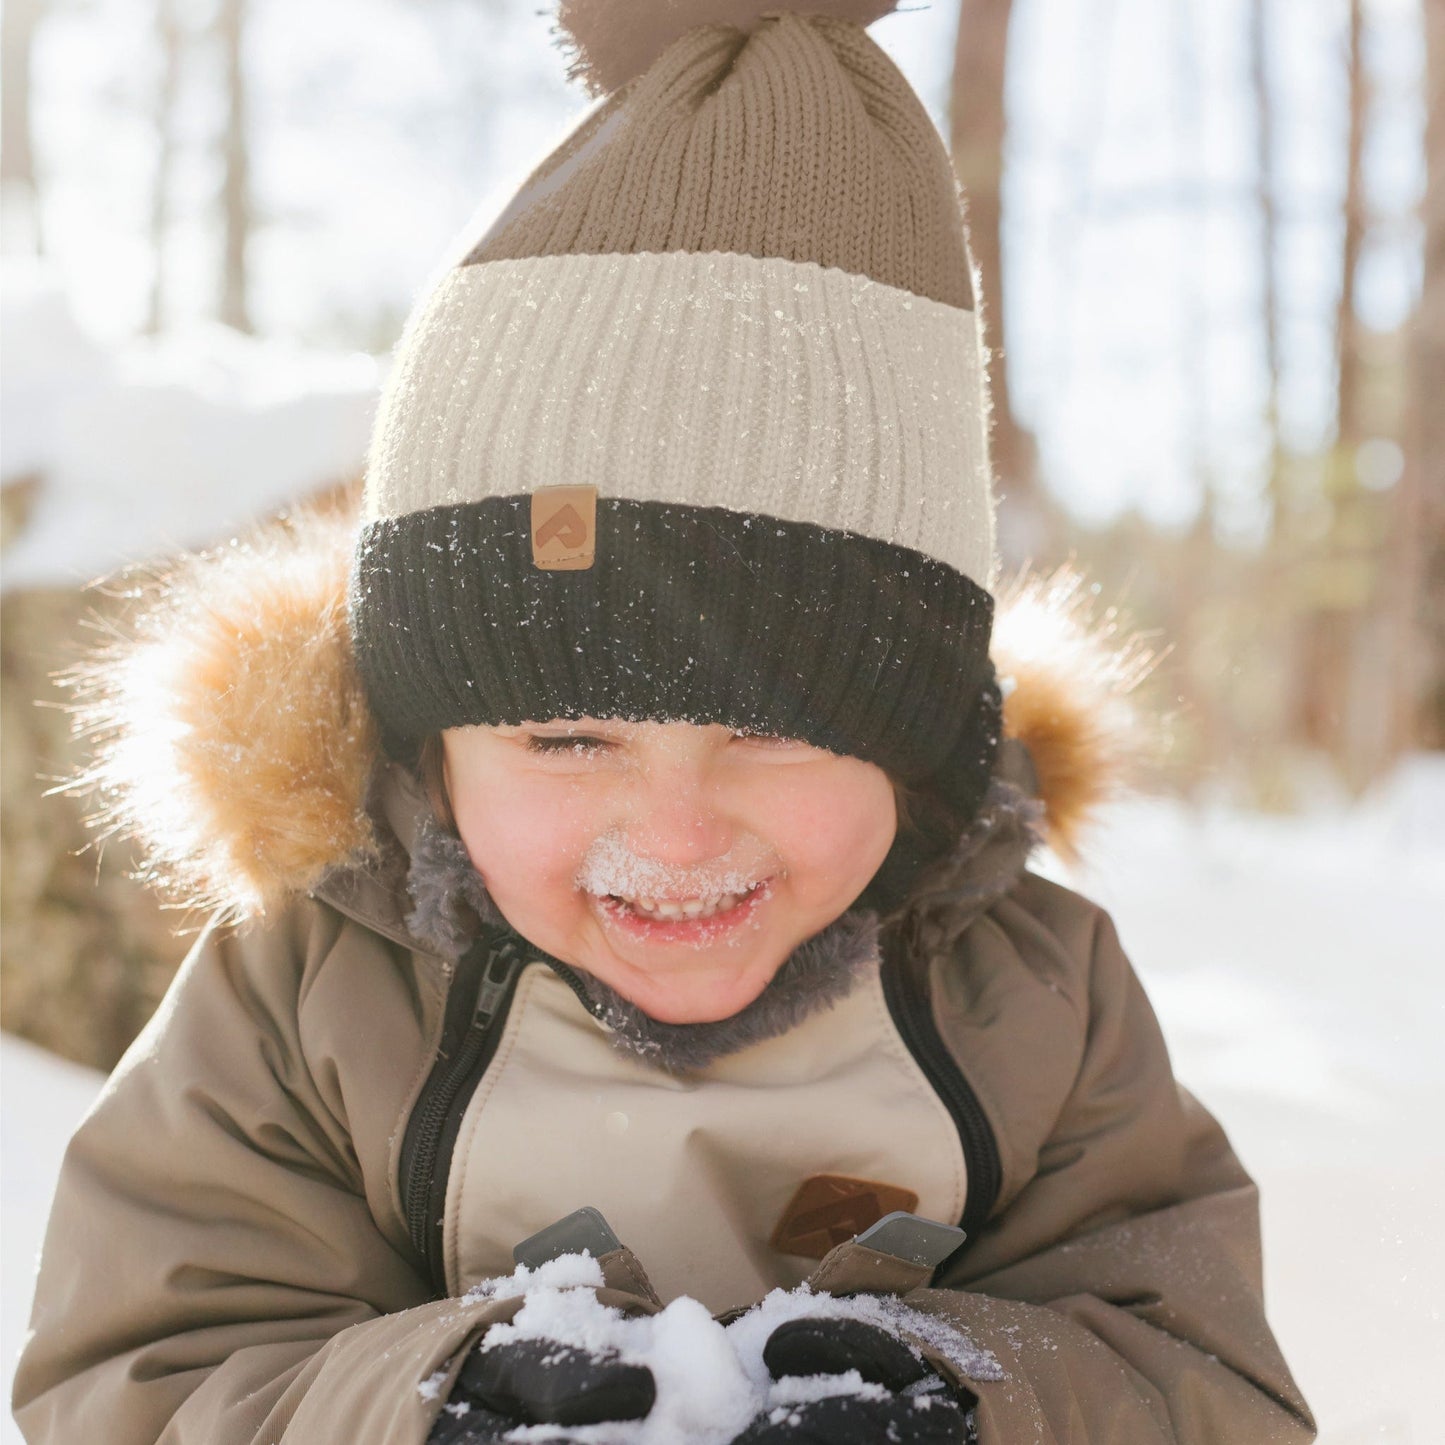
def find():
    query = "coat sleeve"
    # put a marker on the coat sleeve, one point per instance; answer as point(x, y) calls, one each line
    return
point(212, 1271)
point(1121, 1291)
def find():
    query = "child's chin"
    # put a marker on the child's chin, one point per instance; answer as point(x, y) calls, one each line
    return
point(708, 1003)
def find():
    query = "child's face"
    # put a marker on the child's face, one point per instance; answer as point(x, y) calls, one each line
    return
point(566, 819)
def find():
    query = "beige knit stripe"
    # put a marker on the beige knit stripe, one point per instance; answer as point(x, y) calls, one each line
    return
point(711, 379)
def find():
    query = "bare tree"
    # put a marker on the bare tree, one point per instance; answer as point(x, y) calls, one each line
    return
point(1029, 522)
point(1348, 330)
point(17, 153)
point(1332, 628)
point(236, 208)
point(1269, 246)
point(1420, 529)
point(171, 38)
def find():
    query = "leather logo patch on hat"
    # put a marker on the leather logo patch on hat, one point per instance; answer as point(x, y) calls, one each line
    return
point(564, 527)
point(829, 1209)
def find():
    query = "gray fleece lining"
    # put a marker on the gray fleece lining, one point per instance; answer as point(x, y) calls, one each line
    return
point(449, 899)
point(818, 973)
point(988, 859)
point(450, 903)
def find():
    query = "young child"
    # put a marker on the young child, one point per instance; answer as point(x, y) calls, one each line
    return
point(625, 816)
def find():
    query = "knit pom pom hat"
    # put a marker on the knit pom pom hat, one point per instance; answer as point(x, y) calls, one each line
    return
point(698, 429)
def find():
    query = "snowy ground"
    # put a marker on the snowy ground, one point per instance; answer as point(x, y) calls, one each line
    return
point(1296, 968)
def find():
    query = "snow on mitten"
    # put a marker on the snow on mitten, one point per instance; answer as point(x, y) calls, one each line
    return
point(540, 1382)
point(862, 1420)
point(888, 1391)
point(573, 1276)
point(811, 1346)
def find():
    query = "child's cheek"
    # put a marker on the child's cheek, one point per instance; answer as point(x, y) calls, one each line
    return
point(527, 840)
point(829, 825)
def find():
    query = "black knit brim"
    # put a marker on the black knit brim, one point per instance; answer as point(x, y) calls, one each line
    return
point(688, 613)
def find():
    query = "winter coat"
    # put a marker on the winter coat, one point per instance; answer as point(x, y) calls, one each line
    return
point(258, 1236)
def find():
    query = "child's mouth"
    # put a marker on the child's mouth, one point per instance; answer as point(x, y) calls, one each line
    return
point(636, 921)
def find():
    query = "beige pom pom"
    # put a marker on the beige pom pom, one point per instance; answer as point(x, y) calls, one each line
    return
point(610, 41)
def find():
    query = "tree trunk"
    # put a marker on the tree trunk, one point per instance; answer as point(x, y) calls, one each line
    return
point(1269, 247)
point(168, 34)
point(1028, 519)
point(1347, 321)
point(1420, 530)
point(235, 190)
point(1334, 619)
point(17, 153)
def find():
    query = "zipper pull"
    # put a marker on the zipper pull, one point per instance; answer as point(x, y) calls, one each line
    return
point(503, 959)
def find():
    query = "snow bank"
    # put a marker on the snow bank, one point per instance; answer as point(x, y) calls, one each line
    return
point(1296, 966)
point(161, 444)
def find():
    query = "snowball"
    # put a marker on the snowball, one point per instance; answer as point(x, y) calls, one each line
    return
point(711, 1379)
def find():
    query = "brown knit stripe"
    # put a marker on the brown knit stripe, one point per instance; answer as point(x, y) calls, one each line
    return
point(801, 140)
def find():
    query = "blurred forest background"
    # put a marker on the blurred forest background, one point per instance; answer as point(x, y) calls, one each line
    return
point(1212, 243)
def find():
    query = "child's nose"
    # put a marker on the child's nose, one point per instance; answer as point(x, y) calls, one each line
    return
point(677, 820)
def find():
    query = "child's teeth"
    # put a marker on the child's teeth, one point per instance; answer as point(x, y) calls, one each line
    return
point(689, 908)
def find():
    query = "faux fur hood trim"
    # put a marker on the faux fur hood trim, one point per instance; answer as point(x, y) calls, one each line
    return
point(232, 737)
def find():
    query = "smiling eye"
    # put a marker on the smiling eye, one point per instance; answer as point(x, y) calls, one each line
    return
point(580, 743)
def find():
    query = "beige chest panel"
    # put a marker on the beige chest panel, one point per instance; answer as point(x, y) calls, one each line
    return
point(693, 1174)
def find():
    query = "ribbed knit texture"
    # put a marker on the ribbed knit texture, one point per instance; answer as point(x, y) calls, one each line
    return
point(801, 140)
point(774, 387)
point(697, 614)
point(737, 301)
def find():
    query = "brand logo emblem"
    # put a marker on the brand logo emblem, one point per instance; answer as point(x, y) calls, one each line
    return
point(829, 1209)
point(564, 527)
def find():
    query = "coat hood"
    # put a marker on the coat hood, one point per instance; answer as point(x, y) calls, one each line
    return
point(231, 736)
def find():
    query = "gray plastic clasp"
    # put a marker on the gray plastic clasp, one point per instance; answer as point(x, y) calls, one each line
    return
point(583, 1230)
point(911, 1237)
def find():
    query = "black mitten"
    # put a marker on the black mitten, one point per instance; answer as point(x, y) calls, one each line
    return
point(539, 1382)
point(463, 1423)
point(855, 1420)
point(823, 1346)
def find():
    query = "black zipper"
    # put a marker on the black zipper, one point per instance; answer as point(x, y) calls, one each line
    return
point(573, 980)
point(912, 1010)
point(477, 1003)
